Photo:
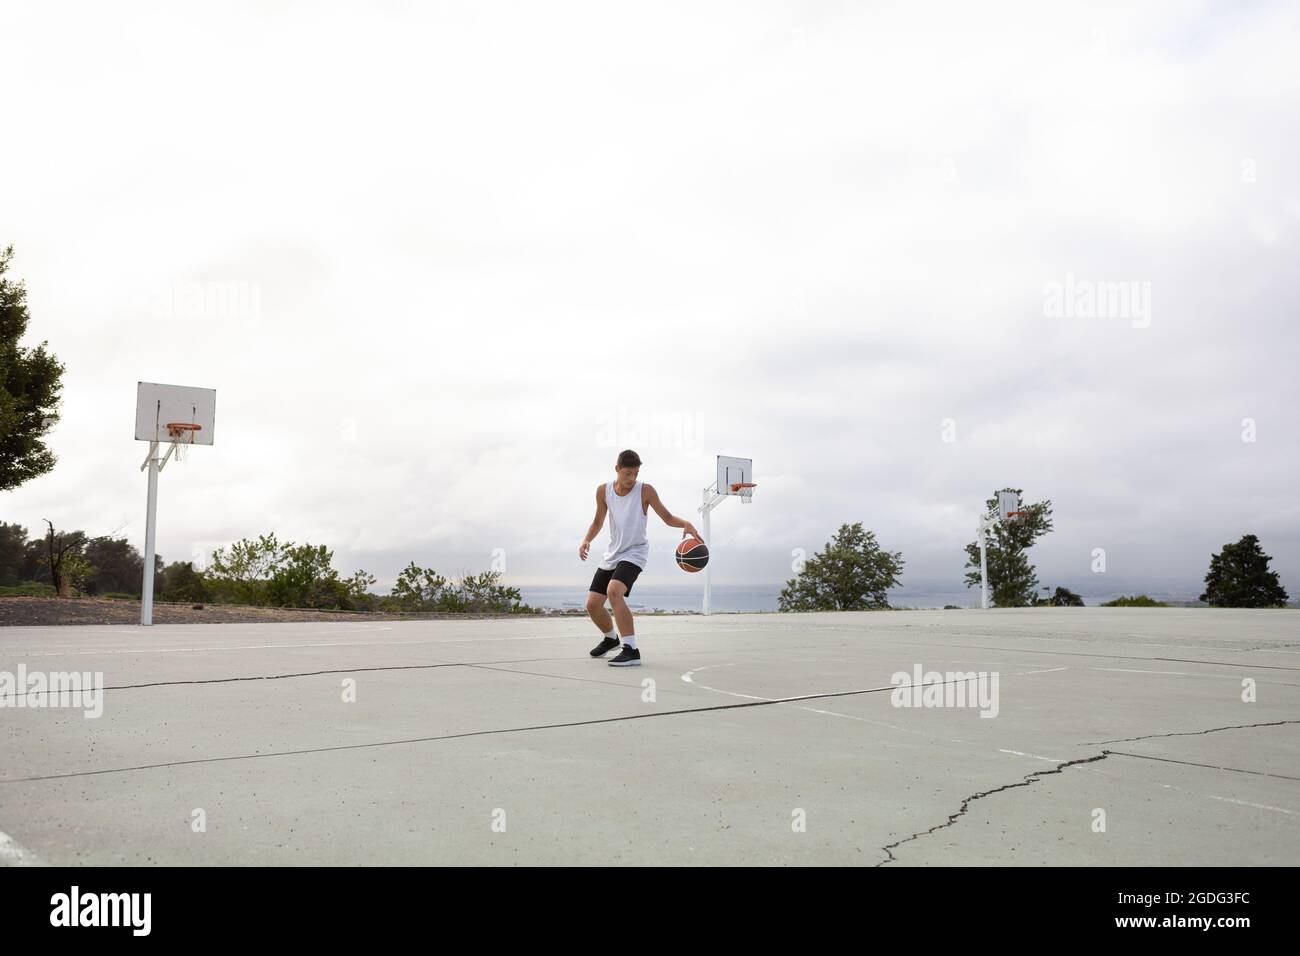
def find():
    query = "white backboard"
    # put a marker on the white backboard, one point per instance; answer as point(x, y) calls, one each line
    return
point(157, 406)
point(1008, 501)
point(732, 470)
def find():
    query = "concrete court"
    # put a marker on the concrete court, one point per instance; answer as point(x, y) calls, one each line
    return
point(457, 721)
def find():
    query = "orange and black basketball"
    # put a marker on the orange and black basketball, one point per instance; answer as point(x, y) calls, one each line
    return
point(692, 554)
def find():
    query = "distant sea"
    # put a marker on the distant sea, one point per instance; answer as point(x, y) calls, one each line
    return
point(647, 597)
point(725, 598)
point(738, 598)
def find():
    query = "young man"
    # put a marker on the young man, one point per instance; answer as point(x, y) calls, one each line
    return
point(626, 501)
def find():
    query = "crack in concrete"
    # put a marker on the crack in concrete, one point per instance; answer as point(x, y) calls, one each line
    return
point(458, 736)
point(1190, 733)
point(1207, 766)
point(965, 804)
point(1030, 778)
point(336, 670)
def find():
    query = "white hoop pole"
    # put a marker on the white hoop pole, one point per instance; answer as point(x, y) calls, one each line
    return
point(983, 533)
point(708, 536)
point(984, 566)
point(150, 526)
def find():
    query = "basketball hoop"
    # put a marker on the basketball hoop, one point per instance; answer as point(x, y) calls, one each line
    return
point(734, 480)
point(181, 434)
point(745, 489)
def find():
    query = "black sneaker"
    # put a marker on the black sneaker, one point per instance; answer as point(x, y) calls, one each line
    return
point(604, 647)
point(630, 657)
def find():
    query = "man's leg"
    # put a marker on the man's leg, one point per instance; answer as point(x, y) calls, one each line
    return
point(596, 611)
point(600, 617)
point(629, 656)
point(622, 613)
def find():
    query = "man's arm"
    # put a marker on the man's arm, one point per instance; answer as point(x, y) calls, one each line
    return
point(597, 523)
point(669, 518)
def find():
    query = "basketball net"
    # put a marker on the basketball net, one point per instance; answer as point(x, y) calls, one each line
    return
point(181, 434)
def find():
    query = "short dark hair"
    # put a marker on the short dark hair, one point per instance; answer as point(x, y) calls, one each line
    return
point(629, 459)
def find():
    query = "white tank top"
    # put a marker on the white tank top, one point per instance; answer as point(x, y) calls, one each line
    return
point(627, 540)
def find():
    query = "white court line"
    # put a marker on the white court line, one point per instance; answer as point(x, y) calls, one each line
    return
point(1232, 677)
point(689, 676)
point(1240, 803)
point(1017, 635)
point(1190, 648)
point(881, 723)
point(11, 854)
point(1247, 803)
point(1021, 753)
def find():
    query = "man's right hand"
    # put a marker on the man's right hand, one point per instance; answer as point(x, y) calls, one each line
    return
point(584, 549)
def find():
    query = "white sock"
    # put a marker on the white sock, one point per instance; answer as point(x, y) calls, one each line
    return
point(611, 633)
point(630, 640)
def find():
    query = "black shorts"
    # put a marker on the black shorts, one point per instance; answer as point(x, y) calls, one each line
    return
point(625, 571)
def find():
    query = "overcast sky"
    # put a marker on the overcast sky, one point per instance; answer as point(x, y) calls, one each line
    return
point(441, 262)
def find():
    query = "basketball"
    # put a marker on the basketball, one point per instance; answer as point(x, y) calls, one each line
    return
point(692, 554)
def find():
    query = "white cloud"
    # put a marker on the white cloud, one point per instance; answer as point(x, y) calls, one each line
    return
point(808, 232)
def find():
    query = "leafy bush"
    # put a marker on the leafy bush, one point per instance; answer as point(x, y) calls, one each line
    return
point(264, 571)
point(181, 584)
point(424, 589)
point(304, 577)
point(1140, 600)
point(1063, 597)
point(28, 589)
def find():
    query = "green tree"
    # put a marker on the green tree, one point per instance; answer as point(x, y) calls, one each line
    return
point(119, 567)
point(357, 591)
point(13, 556)
point(240, 574)
point(64, 561)
point(34, 561)
point(1013, 581)
point(1239, 577)
point(418, 589)
point(30, 383)
point(852, 573)
point(306, 578)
